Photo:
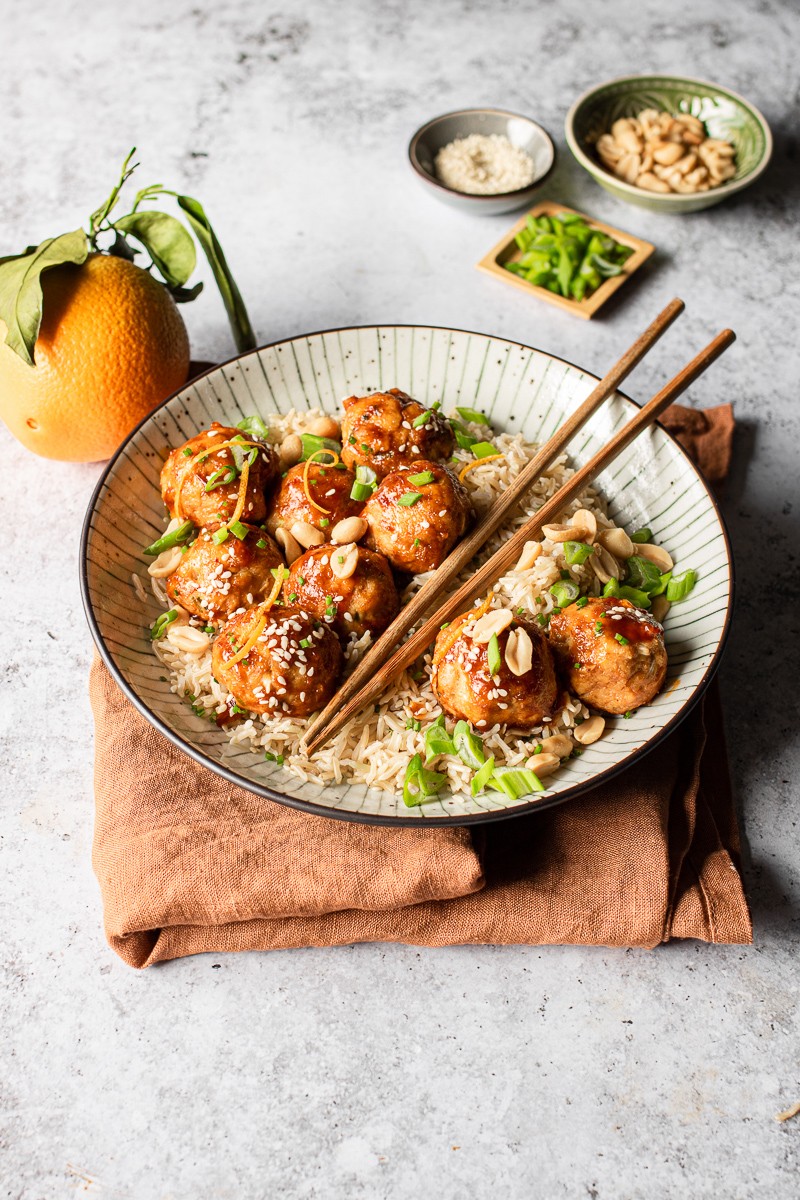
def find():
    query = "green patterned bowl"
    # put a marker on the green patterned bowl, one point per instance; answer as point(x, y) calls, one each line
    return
point(725, 114)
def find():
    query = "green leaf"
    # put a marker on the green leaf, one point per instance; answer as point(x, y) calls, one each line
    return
point(166, 241)
point(231, 297)
point(21, 287)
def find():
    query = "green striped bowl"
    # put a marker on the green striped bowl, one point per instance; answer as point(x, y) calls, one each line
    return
point(522, 390)
point(725, 114)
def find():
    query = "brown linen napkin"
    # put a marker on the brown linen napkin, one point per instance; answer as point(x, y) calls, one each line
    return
point(189, 863)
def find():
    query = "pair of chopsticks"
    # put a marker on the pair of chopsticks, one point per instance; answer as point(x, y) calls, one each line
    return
point(380, 666)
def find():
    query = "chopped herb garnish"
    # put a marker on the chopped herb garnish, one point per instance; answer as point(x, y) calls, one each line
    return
point(680, 586)
point(219, 536)
point(420, 784)
point(413, 723)
point(598, 626)
point(515, 781)
point(623, 641)
point(187, 453)
point(292, 597)
point(365, 448)
point(278, 759)
point(351, 441)
point(416, 541)
point(365, 484)
point(409, 498)
point(468, 746)
point(643, 574)
point(324, 523)
point(254, 426)
point(313, 444)
point(305, 643)
point(481, 778)
point(581, 602)
point(627, 716)
point(262, 545)
point(537, 749)
point(483, 449)
point(421, 420)
point(239, 530)
point(472, 414)
point(209, 629)
point(542, 619)
point(576, 553)
point(642, 535)
point(493, 655)
point(564, 592)
point(300, 580)
point(167, 540)
point(438, 740)
point(421, 479)
point(160, 624)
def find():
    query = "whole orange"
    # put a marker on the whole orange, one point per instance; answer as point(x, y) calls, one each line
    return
point(112, 345)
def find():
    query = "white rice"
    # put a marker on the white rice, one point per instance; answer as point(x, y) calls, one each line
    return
point(374, 748)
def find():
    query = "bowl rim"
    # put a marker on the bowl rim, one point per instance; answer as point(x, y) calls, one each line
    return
point(729, 188)
point(472, 196)
point(417, 822)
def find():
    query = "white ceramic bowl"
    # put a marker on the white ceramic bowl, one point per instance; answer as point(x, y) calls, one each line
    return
point(520, 131)
point(653, 483)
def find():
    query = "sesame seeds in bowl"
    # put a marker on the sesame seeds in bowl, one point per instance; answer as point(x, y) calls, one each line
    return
point(484, 160)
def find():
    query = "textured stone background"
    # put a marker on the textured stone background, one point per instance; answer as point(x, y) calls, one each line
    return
point(385, 1071)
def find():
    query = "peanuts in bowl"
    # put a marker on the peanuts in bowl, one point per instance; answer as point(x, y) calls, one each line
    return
point(664, 153)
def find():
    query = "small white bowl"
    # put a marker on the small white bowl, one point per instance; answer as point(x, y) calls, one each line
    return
point(520, 131)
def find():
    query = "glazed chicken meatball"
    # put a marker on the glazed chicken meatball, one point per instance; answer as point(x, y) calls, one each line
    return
point(365, 600)
point(416, 515)
point(205, 489)
point(379, 431)
point(290, 670)
point(611, 653)
point(521, 692)
point(329, 486)
point(212, 580)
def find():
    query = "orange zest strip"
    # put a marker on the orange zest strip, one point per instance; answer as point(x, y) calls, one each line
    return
point(209, 450)
point(453, 634)
point(478, 463)
point(306, 487)
point(261, 623)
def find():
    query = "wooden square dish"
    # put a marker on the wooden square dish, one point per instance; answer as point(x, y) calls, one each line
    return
point(507, 250)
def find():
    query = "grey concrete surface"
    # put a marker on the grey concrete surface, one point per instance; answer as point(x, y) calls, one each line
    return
point(388, 1071)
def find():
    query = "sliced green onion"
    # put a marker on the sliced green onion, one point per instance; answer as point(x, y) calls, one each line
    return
point(662, 585)
point(438, 740)
point(639, 598)
point(464, 438)
point(219, 536)
point(305, 643)
point(313, 444)
point(642, 535)
point(421, 479)
point(623, 641)
point(420, 784)
point(468, 746)
point(160, 624)
point(472, 414)
point(365, 483)
point(482, 777)
point(254, 426)
point(611, 588)
point(643, 574)
point(564, 592)
point(493, 652)
point(576, 553)
point(242, 454)
point(515, 781)
point(262, 545)
point(276, 758)
point(680, 586)
point(483, 449)
point(167, 540)
point(409, 498)
point(413, 723)
point(421, 420)
point(187, 452)
point(582, 601)
point(238, 530)
point(324, 522)
point(279, 572)
point(543, 619)
point(538, 749)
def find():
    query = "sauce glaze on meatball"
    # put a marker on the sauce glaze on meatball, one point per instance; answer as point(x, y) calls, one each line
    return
point(417, 536)
point(465, 687)
point(214, 581)
point(610, 652)
point(280, 675)
point(366, 600)
point(184, 481)
point(378, 431)
point(329, 486)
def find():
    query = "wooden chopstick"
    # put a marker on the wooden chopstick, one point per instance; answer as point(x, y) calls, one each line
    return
point(500, 511)
point(382, 671)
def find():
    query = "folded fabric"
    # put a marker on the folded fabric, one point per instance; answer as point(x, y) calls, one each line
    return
point(189, 863)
